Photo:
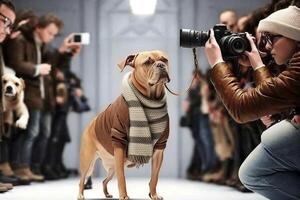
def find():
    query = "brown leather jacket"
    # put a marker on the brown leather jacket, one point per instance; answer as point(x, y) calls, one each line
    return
point(271, 94)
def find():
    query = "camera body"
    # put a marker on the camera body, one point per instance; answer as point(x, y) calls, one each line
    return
point(231, 44)
point(81, 38)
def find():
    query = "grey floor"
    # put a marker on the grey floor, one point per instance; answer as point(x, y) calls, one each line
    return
point(170, 189)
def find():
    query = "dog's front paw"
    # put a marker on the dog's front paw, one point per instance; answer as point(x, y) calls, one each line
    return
point(155, 197)
point(21, 123)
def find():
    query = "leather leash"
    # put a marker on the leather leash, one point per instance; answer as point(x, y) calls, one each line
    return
point(196, 76)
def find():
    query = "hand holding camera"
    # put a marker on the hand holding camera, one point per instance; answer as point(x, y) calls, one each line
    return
point(231, 44)
point(212, 50)
point(16, 29)
point(253, 55)
point(74, 42)
point(220, 43)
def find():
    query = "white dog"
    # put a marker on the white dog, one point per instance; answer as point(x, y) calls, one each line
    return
point(13, 92)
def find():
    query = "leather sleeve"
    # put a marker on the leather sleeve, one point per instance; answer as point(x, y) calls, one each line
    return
point(16, 58)
point(261, 74)
point(270, 96)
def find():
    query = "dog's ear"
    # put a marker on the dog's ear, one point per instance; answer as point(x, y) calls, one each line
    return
point(128, 61)
point(23, 83)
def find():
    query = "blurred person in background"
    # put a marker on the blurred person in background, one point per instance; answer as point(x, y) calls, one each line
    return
point(191, 106)
point(7, 18)
point(33, 62)
point(230, 19)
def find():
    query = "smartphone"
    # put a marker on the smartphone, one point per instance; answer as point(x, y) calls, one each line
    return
point(82, 38)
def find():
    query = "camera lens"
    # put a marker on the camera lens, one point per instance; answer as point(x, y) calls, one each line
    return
point(191, 38)
point(238, 45)
point(235, 45)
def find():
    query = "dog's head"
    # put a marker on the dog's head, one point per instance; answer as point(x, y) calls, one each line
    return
point(12, 85)
point(151, 68)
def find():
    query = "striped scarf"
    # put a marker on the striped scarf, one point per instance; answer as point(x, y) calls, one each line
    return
point(148, 120)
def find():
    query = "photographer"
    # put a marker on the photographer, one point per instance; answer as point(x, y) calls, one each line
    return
point(272, 168)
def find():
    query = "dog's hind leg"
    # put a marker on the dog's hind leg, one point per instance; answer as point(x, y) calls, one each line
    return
point(87, 161)
point(110, 175)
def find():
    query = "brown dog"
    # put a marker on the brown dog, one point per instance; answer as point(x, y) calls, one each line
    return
point(110, 135)
point(13, 92)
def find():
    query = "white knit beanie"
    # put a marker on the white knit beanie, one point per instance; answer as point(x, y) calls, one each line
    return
point(285, 22)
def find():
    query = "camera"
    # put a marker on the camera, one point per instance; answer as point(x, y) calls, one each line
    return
point(231, 44)
point(82, 38)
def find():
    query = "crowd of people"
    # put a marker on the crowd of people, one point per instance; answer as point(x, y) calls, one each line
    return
point(221, 143)
point(34, 153)
point(31, 149)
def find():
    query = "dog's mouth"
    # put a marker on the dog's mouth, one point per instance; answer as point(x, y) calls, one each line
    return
point(9, 92)
point(161, 76)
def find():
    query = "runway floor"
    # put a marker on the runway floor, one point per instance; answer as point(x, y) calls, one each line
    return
point(170, 189)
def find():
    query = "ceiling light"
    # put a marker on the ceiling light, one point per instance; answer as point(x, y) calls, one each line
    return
point(143, 7)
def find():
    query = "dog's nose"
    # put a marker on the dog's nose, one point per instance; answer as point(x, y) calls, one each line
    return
point(9, 89)
point(160, 65)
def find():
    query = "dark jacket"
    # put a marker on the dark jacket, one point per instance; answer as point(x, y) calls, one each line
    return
point(271, 94)
point(59, 61)
point(21, 55)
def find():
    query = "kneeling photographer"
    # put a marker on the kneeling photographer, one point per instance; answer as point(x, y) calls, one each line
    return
point(272, 169)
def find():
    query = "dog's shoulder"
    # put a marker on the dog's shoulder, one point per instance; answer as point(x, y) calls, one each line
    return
point(121, 107)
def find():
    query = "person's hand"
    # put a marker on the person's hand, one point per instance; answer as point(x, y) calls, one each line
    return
point(15, 34)
point(44, 69)
point(59, 75)
point(68, 45)
point(59, 100)
point(212, 50)
point(78, 92)
point(296, 119)
point(267, 120)
point(185, 105)
point(253, 55)
point(76, 49)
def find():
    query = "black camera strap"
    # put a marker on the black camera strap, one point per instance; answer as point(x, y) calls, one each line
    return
point(196, 76)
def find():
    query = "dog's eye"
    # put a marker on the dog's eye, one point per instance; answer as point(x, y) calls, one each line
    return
point(4, 81)
point(17, 84)
point(164, 60)
point(149, 61)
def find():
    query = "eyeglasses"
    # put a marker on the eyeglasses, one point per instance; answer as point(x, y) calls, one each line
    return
point(7, 22)
point(267, 38)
